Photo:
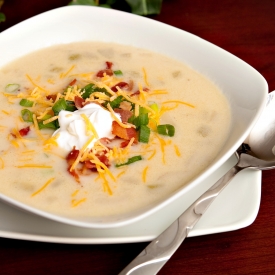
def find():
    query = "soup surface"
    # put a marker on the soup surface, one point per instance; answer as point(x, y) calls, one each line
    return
point(176, 123)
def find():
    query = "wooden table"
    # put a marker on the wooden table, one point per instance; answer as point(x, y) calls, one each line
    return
point(245, 28)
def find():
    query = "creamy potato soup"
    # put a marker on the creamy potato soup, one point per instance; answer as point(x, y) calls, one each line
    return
point(96, 129)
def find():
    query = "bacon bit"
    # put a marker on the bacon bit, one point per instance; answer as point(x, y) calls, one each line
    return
point(74, 174)
point(72, 82)
point(24, 131)
point(88, 164)
point(138, 92)
point(72, 156)
point(124, 114)
point(125, 133)
point(79, 101)
point(101, 73)
point(53, 97)
point(107, 71)
point(120, 85)
point(109, 65)
point(124, 143)
point(104, 159)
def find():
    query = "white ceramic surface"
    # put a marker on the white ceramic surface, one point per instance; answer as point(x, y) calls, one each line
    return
point(235, 208)
point(245, 88)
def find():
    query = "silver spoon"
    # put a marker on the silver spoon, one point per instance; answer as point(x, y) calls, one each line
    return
point(258, 152)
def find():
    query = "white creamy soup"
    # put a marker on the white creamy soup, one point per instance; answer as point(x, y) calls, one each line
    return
point(96, 129)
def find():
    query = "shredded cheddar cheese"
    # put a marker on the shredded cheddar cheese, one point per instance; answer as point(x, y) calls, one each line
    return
point(89, 126)
point(43, 187)
point(144, 174)
point(177, 150)
point(124, 125)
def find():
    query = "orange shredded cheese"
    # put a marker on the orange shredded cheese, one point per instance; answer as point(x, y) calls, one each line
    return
point(62, 75)
point(34, 84)
point(152, 155)
point(177, 150)
point(179, 102)
point(89, 126)
point(75, 193)
point(76, 203)
point(34, 166)
point(50, 120)
point(43, 187)
point(120, 174)
point(144, 174)
point(162, 147)
point(36, 127)
point(81, 153)
point(145, 77)
point(124, 125)
point(106, 186)
point(100, 164)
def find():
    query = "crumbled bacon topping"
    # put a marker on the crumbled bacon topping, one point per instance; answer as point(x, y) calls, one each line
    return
point(24, 131)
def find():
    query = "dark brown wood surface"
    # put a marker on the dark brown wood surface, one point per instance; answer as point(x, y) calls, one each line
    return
point(245, 28)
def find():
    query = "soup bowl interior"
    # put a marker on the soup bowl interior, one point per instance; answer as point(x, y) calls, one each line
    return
point(244, 87)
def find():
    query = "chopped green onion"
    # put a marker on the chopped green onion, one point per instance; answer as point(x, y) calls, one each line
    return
point(27, 115)
point(144, 134)
point(70, 106)
point(51, 125)
point(130, 160)
point(59, 106)
point(143, 110)
point(118, 73)
point(116, 102)
point(12, 88)
point(63, 104)
point(142, 119)
point(154, 106)
point(26, 103)
point(88, 90)
point(91, 88)
point(166, 130)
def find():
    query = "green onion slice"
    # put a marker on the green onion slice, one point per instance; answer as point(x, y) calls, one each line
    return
point(50, 125)
point(140, 120)
point(118, 73)
point(27, 115)
point(26, 103)
point(130, 160)
point(166, 130)
point(154, 106)
point(144, 134)
point(12, 88)
point(116, 102)
point(143, 110)
point(91, 88)
point(63, 104)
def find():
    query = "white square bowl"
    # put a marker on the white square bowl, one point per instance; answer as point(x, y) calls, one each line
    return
point(244, 87)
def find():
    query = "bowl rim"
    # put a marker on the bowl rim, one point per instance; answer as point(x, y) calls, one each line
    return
point(61, 15)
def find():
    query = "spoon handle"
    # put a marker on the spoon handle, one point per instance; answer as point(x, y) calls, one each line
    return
point(159, 251)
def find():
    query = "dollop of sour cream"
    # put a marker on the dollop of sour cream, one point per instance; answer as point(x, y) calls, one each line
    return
point(73, 127)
